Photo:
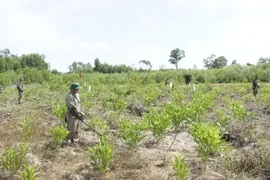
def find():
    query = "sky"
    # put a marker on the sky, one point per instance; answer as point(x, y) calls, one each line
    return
point(125, 31)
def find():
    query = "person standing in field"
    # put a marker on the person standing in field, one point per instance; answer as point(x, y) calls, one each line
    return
point(20, 90)
point(255, 86)
point(74, 113)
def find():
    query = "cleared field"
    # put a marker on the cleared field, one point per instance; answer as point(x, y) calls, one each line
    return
point(147, 127)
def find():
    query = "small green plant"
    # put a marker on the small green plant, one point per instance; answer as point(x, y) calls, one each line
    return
point(150, 97)
point(101, 155)
point(200, 104)
point(181, 170)
point(59, 133)
point(208, 139)
point(131, 133)
point(177, 113)
point(238, 111)
point(26, 129)
point(99, 124)
point(157, 122)
point(60, 111)
point(223, 119)
point(28, 173)
point(118, 103)
point(13, 159)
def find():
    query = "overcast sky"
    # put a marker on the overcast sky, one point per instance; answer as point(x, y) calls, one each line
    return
point(125, 31)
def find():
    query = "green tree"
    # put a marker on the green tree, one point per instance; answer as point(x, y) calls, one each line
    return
point(97, 65)
point(263, 60)
point(215, 63)
point(34, 60)
point(147, 63)
point(176, 56)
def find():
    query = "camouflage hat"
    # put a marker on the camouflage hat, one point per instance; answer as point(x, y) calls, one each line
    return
point(75, 86)
point(21, 79)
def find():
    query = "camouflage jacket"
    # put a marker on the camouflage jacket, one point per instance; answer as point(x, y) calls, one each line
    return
point(20, 86)
point(73, 105)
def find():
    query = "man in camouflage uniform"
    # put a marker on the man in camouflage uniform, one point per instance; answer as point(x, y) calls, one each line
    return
point(20, 90)
point(74, 113)
point(255, 86)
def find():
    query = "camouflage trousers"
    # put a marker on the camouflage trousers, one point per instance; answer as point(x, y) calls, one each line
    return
point(73, 126)
point(20, 97)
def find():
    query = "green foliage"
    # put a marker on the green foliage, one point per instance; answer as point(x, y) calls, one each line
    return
point(181, 170)
point(200, 104)
point(131, 133)
point(58, 134)
point(115, 102)
point(60, 111)
point(208, 139)
point(99, 124)
point(102, 154)
point(223, 119)
point(28, 173)
point(34, 60)
point(12, 159)
point(26, 129)
point(118, 103)
point(158, 122)
point(238, 111)
point(176, 56)
point(177, 113)
point(212, 62)
point(150, 97)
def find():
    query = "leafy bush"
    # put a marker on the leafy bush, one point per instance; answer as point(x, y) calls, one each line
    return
point(13, 159)
point(59, 133)
point(26, 129)
point(130, 133)
point(181, 170)
point(99, 124)
point(28, 173)
point(60, 111)
point(101, 155)
point(208, 139)
point(238, 111)
point(157, 122)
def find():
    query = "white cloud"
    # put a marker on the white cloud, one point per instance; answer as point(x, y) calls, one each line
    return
point(85, 46)
point(101, 45)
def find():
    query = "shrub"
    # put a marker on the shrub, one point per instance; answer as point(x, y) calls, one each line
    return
point(130, 133)
point(59, 133)
point(101, 155)
point(208, 139)
point(13, 159)
point(181, 170)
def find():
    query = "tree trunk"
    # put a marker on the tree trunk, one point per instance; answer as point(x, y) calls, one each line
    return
point(176, 65)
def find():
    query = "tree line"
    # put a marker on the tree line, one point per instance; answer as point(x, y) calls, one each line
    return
point(9, 61)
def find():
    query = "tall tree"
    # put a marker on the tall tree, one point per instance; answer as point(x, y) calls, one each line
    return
point(234, 62)
point(97, 65)
point(263, 60)
point(34, 60)
point(147, 63)
point(215, 63)
point(176, 56)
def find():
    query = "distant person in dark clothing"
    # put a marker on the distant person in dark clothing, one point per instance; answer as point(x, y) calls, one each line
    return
point(187, 79)
point(255, 86)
